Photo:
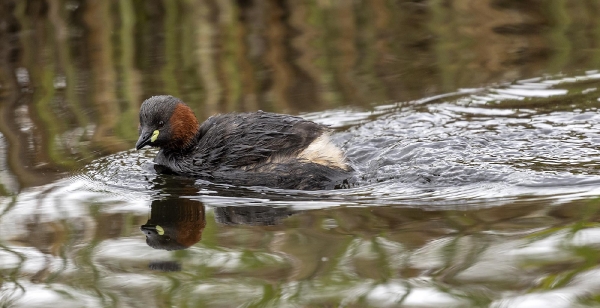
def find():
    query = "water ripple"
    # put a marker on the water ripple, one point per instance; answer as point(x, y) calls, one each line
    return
point(536, 137)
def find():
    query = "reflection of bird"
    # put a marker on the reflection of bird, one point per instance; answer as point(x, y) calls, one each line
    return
point(256, 149)
point(165, 266)
point(174, 224)
point(251, 215)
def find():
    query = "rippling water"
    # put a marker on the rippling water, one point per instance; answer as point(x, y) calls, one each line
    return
point(462, 199)
point(474, 146)
point(473, 127)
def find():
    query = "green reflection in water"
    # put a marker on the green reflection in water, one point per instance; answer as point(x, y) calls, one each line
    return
point(558, 35)
point(91, 64)
point(321, 257)
point(284, 57)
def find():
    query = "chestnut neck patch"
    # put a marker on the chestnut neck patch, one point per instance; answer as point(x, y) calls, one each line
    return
point(184, 127)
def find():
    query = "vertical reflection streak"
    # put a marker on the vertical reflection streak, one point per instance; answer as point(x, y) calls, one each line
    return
point(276, 57)
point(319, 18)
point(366, 37)
point(67, 67)
point(247, 71)
point(380, 18)
point(442, 25)
point(9, 167)
point(40, 54)
point(594, 11)
point(206, 52)
point(130, 91)
point(346, 49)
point(560, 23)
point(99, 23)
point(230, 74)
point(172, 37)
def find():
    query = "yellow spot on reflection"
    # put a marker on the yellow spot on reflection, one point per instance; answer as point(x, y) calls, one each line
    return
point(159, 229)
point(154, 135)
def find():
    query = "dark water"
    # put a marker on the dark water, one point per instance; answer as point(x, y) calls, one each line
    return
point(473, 127)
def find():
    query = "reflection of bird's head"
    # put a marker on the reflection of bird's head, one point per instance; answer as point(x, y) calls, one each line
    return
point(174, 224)
point(166, 122)
point(167, 237)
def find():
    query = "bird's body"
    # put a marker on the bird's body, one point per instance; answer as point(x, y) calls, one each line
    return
point(247, 149)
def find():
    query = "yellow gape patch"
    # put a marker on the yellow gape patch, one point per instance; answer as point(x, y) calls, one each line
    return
point(154, 135)
point(160, 230)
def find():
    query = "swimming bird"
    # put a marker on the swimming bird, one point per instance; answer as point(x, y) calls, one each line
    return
point(242, 149)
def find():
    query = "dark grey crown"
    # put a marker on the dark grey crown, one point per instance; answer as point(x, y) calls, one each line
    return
point(157, 107)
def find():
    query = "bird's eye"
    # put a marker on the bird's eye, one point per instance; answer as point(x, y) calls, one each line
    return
point(161, 124)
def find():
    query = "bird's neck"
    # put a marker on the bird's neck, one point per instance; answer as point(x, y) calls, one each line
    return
point(184, 128)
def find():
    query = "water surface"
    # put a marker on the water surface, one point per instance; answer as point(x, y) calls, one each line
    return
point(473, 127)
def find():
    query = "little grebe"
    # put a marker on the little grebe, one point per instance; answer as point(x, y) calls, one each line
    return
point(248, 149)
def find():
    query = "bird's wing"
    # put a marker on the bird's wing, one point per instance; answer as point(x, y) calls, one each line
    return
point(247, 139)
